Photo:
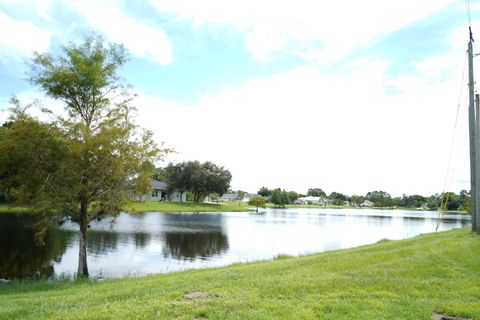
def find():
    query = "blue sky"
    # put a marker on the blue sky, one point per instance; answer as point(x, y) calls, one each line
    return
point(347, 96)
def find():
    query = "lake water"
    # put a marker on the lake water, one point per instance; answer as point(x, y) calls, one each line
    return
point(155, 242)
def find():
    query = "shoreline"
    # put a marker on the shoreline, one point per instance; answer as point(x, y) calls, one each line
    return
point(404, 279)
point(179, 207)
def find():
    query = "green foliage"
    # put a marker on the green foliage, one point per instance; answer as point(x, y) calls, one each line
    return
point(3, 193)
point(143, 181)
point(280, 198)
point(450, 201)
point(380, 198)
point(78, 167)
point(356, 200)
point(265, 192)
point(10, 208)
point(258, 201)
point(31, 158)
point(316, 192)
point(338, 198)
point(433, 202)
point(411, 201)
point(292, 196)
point(464, 199)
point(200, 179)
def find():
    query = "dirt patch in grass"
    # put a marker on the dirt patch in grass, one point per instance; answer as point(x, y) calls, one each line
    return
point(197, 295)
point(438, 316)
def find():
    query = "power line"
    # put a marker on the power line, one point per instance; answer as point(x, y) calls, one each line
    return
point(451, 167)
point(469, 16)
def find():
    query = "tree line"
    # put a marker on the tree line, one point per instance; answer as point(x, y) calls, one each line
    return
point(381, 199)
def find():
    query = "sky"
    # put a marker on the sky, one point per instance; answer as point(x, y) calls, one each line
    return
point(348, 96)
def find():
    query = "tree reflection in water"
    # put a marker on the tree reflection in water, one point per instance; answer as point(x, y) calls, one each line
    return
point(188, 237)
point(192, 245)
point(101, 242)
point(20, 256)
point(141, 239)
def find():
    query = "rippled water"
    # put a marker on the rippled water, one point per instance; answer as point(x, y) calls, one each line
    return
point(155, 242)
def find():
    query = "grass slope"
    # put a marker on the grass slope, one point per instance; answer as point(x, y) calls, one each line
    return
point(406, 279)
point(157, 206)
point(167, 206)
point(8, 208)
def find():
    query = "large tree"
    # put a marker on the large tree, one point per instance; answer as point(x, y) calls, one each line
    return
point(338, 198)
point(280, 198)
point(450, 201)
point(379, 198)
point(356, 200)
point(201, 179)
point(316, 192)
point(80, 167)
point(265, 192)
point(257, 201)
point(3, 196)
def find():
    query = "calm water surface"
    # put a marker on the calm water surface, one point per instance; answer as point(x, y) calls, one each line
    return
point(154, 242)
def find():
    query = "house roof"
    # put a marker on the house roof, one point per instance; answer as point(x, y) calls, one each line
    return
point(159, 185)
point(250, 195)
point(229, 196)
point(310, 198)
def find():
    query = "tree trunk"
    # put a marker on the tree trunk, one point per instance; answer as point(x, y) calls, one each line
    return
point(82, 250)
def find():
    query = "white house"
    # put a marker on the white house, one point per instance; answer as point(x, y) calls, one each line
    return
point(160, 192)
point(310, 200)
point(230, 197)
point(367, 203)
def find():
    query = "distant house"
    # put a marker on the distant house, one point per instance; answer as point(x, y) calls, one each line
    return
point(367, 203)
point(248, 196)
point(160, 192)
point(311, 200)
point(424, 206)
point(230, 197)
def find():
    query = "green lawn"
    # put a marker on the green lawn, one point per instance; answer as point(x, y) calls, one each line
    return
point(164, 206)
point(167, 206)
point(406, 279)
point(6, 208)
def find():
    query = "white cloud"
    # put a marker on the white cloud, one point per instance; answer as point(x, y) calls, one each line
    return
point(21, 38)
point(27, 7)
point(301, 129)
point(278, 26)
point(140, 38)
point(37, 101)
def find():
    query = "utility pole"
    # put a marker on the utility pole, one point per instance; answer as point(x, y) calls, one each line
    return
point(473, 124)
point(476, 213)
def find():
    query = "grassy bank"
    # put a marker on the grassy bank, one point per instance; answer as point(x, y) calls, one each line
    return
point(406, 279)
point(163, 206)
point(8, 208)
point(314, 206)
point(167, 206)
